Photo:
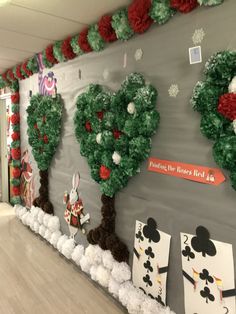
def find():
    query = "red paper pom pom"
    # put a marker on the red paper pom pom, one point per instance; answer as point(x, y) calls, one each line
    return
point(16, 173)
point(36, 126)
point(49, 55)
point(88, 126)
point(4, 77)
point(67, 49)
point(116, 134)
point(45, 139)
point(25, 69)
point(19, 75)
point(83, 41)
point(105, 29)
point(16, 190)
point(138, 14)
point(15, 136)
point(183, 6)
point(227, 106)
point(15, 98)
point(100, 115)
point(11, 75)
point(16, 153)
point(104, 172)
point(15, 118)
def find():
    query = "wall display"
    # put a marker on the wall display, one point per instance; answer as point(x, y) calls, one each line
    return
point(114, 132)
point(151, 259)
point(215, 99)
point(196, 173)
point(74, 213)
point(44, 126)
point(195, 55)
point(208, 271)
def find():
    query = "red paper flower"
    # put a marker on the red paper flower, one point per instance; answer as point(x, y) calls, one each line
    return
point(100, 115)
point(15, 98)
point(19, 75)
point(105, 29)
point(183, 6)
point(15, 118)
point(49, 55)
point(15, 136)
point(88, 126)
point(11, 75)
point(16, 190)
point(138, 14)
point(67, 49)
point(104, 172)
point(36, 126)
point(83, 41)
point(227, 106)
point(116, 134)
point(45, 139)
point(16, 153)
point(16, 173)
point(25, 69)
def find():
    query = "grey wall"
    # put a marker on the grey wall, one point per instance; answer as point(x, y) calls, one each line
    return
point(177, 204)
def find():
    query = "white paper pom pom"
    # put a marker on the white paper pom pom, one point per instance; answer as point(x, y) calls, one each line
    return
point(124, 291)
point(77, 254)
point(94, 254)
point(17, 209)
point(234, 126)
point(135, 301)
point(54, 238)
point(35, 212)
point(42, 230)
point(85, 265)
point(54, 223)
point(68, 248)
point(46, 219)
point(99, 138)
point(232, 86)
point(48, 235)
point(107, 259)
point(61, 241)
point(121, 272)
point(116, 158)
point(24, 217)
point(36, 227)
point(40, 216)
point(93, 272)
point(21, 212)
point(113, 287)
point(150, 306)
point(131, 108)
point(31, 222)
point(28, 219)
point(103, 276)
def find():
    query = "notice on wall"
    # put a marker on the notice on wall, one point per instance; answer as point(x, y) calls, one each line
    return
point(196, 173)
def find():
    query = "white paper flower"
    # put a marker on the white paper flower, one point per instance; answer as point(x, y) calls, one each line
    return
point(234, 126)
point(116, 158)
point(138, 54)
point(173, 90)
point(131, 108)
point(99, 138)
point(198, 36)
point(232, 86)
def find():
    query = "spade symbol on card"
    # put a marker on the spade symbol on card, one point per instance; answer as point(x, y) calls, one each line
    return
point(206, 293)
point(188, 253)
point(150, 231)
point(201, 242)
point(147, 280)
point(204, 275)
point(139, 236)
point(148, 266)
point(149, 252)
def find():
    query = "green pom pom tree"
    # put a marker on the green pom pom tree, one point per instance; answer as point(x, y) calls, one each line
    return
point(114, 131)
point(219, 71)
point(44, 126)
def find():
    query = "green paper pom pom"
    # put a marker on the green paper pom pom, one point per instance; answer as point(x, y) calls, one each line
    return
point(212, 125)
point(16, 163)
point(15, 144)
point(161, 11)
point(146, 98)
point(120, 24)
point(32, 64)
point(140, 148)
point(15, 182)
point(15, 200)
point(94, 38)
point(107, 140)
point(233, 179)
point(16, 128)
point(75, 45)
point(149, 123)
point(2, 82)
point(210, 2)
point(46, 63)
point(15, 108)
point(129, 165)
point(132, 83)
point(57, 51)
point(224, 152)
point(131, 126)
point(15, 86)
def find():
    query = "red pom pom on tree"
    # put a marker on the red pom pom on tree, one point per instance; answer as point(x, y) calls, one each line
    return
point(105, 29)
point(15, 118)
point(104, 172)
point(16, 190)
point(15, 98)
point(16, 153)
point(11, 75)
point(88, 126)
point(138, 15)
point(19, 75)
point(16, 173)
point(67, 49)
point(83, 41)
point(15, 136)
point(25, 69)
point(183, 6)
point(49, 55)
point(227, 106)
point(116, 134)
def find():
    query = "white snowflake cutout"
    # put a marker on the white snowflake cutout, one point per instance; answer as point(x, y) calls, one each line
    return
point(173, 90)
point(138, 54)
point(198, 36)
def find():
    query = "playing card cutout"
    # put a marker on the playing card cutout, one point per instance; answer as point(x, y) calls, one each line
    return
point(209, 276)
point(150, 260)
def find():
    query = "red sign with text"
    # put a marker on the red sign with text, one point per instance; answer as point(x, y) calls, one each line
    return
point(190, 172)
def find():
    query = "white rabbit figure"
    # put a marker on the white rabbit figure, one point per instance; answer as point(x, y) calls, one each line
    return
point(74, 215)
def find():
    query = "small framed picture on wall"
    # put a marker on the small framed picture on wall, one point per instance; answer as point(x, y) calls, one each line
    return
point(195, 55)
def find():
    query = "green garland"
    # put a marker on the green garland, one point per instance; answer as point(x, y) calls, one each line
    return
point(57, 51)
point(114, 130)
point(160, 11)
point(219, 72)
point(44, 126)
point(94, 38)
point(120, 23)
point(33, 64)
point(75, 45)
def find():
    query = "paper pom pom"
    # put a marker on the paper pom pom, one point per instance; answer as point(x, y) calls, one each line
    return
point(121, 272)
point(94, 38)
point(107, 259)
point(24, 217)
point(124, 292)
point(53, 223)
point(83, 41)
point(113, 287)
point(103, 276)
point(183, 6)
point(93, 272)
point(46, 219)
point(224, 152)
point(150, 306)
point(61, 241)
point(16, 190)
point(42, 230)
point(49, 55)
point(40, 216)
point(120, 24)
point(94, 254)
point(227, 106)
point(105, 29)
point(21, 212)
point(99, 138)
point(68, 248)
point(232, 86)
point(54, 238)
point(35, 211)
point(160, 11)
point(85, 265)
point(15, 98)
point(116, 158)
point(17, 209)
point(48, 235)
point(104, 172)
point(77, 254)
point(138, 14)
point(15, 118)
point(131, 108)
point(135, 301)
point(75, 45)
point(67, 50)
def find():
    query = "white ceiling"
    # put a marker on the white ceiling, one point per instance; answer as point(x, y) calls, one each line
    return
point(28, 26)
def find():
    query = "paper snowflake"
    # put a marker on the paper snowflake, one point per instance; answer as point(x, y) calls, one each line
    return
point(138, 54)
point(173, 90)
point(198, 36)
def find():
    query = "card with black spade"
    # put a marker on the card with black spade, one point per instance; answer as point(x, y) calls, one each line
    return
point(208, 274)
point(150, 260)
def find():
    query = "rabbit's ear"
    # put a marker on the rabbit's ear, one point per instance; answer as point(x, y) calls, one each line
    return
point(77, 180)
point(73, 181)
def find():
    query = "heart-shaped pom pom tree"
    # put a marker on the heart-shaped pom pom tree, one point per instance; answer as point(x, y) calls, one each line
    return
point(114, 131)
point(44, 126)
